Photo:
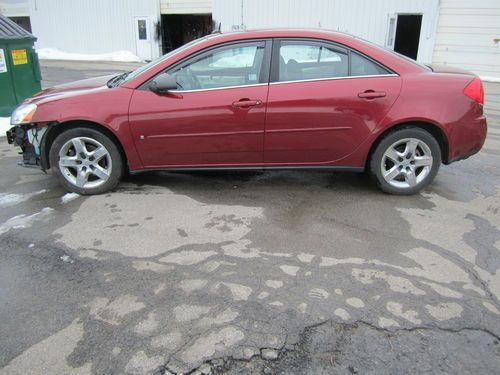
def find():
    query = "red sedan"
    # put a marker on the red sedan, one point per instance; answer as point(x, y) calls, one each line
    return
point(258, 100)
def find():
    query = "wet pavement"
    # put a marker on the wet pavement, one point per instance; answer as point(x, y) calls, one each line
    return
point(248, 272)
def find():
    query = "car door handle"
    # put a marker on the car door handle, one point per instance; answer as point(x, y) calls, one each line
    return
point(371, 94)
point(244, 103)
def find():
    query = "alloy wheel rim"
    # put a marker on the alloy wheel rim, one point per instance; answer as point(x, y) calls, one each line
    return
point(406, 163)
point(85, 162)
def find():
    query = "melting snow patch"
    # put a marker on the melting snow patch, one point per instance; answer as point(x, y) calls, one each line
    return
point(67, 259)
point(10, 199)
point(24, 221)
point(69, 197)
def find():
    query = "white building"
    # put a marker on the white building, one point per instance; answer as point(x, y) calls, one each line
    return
point(468, 35)
point(465, 33)
point(145, 28)
point(456, 32)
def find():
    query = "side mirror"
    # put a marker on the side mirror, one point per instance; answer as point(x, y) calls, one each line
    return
point(163, 83)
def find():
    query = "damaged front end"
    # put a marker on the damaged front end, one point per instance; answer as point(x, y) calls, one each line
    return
point(29, 138)
point(28, 135)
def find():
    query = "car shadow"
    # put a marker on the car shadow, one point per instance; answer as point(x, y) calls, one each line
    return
point(220, 180)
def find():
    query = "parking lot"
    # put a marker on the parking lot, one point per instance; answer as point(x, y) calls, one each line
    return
point(285, 272)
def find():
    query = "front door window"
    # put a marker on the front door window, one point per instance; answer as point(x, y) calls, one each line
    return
point(235, 65)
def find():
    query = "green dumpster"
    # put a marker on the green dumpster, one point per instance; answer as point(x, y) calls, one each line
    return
point(19, 67)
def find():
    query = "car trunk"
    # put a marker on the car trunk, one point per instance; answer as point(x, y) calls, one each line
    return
point(448, 69)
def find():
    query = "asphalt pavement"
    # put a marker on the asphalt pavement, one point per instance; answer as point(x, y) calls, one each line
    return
point(284, 272)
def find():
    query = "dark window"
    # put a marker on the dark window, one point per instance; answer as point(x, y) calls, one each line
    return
point(141, 27)
point(304, 61)
point(234, 65)
point(361, 66)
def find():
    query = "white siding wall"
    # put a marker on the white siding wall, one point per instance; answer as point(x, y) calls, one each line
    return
point(466, 33)
point(91, 26)
point(14, 8)
point(364, 18)
point(186, 6)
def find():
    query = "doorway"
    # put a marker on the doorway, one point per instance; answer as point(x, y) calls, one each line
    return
point(179, 29)
point(408, 34)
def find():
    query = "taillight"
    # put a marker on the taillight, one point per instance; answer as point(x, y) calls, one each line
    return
point(475, 91)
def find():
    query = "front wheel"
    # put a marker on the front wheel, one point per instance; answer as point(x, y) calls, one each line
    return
point(405, 161)
point(86, 161)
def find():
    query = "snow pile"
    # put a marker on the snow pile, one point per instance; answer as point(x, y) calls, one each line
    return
point(55, 54)
point(4, 125)
point(10, 199)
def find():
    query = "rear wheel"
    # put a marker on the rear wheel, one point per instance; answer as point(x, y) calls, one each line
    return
point(405, 161)
point(86, 161)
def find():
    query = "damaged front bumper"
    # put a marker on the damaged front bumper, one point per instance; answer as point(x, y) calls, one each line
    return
point(29, 138)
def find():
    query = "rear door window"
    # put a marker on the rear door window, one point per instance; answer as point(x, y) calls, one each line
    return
point(302, 60)
point(309, 60)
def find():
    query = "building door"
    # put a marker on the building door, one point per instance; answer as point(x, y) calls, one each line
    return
point(404, 34)
point(143, 37)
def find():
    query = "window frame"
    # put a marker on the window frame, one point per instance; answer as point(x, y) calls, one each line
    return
point(263, 76)
point(275, 60)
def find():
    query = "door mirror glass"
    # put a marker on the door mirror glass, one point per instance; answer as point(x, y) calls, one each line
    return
point(163, 83)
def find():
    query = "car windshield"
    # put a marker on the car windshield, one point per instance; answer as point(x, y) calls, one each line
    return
point(125, 77)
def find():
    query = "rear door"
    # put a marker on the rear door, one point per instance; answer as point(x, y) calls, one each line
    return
point(324, 101)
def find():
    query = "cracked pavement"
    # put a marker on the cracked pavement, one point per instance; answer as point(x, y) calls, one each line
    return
point(248, 272)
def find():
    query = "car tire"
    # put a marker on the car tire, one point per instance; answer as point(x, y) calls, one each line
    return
point(86, 161)
point(405, 161)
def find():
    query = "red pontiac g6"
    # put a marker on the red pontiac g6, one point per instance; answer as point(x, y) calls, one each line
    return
point(258, 100)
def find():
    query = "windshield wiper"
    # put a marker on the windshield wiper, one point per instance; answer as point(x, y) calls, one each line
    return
point(113, 82)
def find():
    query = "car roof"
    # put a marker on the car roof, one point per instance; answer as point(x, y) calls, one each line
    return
point(282, 32)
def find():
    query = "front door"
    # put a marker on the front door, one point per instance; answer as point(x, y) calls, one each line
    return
point(143, 38)
point(215, 118)
point(323, 103)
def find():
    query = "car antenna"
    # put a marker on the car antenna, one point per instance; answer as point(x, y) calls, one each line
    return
point(218, 30)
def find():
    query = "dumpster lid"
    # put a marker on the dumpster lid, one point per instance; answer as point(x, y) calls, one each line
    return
point(11, 30)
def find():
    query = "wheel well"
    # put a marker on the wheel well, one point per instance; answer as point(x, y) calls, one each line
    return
point(434, 130)
point(55, 130)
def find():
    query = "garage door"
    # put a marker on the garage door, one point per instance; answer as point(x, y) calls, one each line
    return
point(468, 36)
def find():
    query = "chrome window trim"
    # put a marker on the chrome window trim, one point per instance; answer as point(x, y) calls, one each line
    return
point(219, 88)
point(334, 78)
point(283, 82)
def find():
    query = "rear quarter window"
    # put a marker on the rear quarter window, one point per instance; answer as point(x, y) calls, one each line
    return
point(362, 66)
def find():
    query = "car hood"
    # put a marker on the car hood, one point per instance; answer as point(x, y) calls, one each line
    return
point(71, 89)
